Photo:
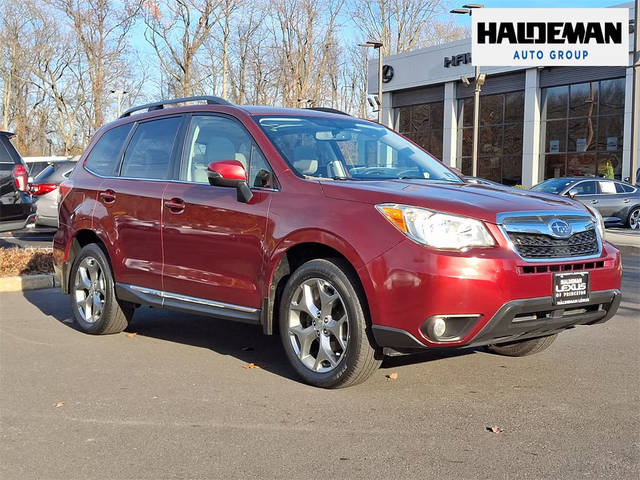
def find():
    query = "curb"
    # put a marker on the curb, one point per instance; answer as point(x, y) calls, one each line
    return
point(28, 282)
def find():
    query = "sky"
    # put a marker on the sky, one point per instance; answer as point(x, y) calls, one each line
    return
point(466, 20)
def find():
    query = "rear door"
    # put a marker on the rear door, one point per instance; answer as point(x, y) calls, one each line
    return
point(214, 244)
point(131, 202)
point(610, 202)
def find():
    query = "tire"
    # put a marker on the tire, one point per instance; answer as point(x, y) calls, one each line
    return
point(323, 325)
point(523, 348)
point(633, 220)
point(95, 306)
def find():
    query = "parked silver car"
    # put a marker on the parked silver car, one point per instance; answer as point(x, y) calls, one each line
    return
point(618, 202)
point(45, 189)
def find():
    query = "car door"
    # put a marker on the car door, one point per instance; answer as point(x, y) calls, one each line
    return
point(629, 198)
point(610, 202)
point(587, 192)
point(213, 243)
point(132, 202)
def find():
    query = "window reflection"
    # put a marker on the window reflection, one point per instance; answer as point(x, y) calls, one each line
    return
point(423, 125)
point(499, 137)
point(582, 128)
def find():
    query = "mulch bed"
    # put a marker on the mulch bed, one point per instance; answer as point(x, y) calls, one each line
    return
point(25, 261)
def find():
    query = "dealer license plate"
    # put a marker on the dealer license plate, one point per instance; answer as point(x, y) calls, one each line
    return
point(570, 288)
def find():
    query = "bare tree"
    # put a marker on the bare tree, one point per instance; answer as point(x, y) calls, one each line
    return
point(401, 25)
point(303, 33)
point(177, 29)
point(14, 67)
point(101, 27)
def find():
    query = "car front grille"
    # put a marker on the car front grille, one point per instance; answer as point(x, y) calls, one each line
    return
point(536, 245)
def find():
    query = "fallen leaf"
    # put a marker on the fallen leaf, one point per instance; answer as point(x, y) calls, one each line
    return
point(392, 376)
point(131, 335)
point(495, 429)
point(250, 365)
point(59, 404)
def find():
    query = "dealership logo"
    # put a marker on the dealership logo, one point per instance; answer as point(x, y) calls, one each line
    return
point(549, 37)
point(387, 73)
point(455, 60)
point(559, 228)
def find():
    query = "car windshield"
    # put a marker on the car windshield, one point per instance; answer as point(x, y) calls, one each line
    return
point(554, 185)
point(349, 149)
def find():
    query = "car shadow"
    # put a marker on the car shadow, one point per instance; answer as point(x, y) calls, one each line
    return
point(242, 341)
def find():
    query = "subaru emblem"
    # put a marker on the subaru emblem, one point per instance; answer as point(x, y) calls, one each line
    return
point(559, 228)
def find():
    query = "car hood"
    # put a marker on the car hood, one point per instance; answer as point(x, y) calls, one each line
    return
point(482, 202)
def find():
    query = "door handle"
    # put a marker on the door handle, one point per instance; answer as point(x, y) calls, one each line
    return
point(175, 205)
point(627, 200)
point(108, 196)
point(594, 201)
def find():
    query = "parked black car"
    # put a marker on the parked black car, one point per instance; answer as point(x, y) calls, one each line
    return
point(44, 188)
point(618, 202)
point(16, 205)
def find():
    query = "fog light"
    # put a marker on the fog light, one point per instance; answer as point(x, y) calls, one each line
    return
point(439, 327)
point(448, 328)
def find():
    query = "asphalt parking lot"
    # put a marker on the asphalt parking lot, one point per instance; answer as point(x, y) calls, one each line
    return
point(174, 401)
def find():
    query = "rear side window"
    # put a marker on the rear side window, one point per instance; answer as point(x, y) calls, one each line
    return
point(105, 156)
point(620, 188)
point(7, 161)
point(149, 152)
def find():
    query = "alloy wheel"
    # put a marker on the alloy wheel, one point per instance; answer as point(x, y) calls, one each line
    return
point(318, 325)
point(90, 290)
point(634, 219)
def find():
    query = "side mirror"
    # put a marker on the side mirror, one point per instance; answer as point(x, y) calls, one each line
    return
point(230, 173)
point(572, 193)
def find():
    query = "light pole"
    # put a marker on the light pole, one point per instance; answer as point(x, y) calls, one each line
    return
point(478, 82)
point(119, 93)
point(376, 44)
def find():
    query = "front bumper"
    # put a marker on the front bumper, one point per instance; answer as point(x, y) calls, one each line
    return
point(519, 320)
point(497, 296)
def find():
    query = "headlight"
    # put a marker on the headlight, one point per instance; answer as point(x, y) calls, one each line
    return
point(435, 229)
point(599, 220)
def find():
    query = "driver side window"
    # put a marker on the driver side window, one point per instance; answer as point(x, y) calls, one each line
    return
point(586, 188)
point(213, 139)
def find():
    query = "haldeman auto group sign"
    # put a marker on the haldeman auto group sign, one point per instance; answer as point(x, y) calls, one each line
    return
point(550, 36)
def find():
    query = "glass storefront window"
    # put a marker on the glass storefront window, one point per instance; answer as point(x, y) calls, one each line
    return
point(582, 128)
point(499, 137)
point(423, 125)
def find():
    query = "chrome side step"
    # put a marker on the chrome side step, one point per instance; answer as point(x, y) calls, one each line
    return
point(185, 303)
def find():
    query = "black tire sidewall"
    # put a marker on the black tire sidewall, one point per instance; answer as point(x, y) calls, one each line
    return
point(95, 252)
point(326, 270)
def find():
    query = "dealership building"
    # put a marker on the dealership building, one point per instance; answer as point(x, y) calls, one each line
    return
point(535, 123)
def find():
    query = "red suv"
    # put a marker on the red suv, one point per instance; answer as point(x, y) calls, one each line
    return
point(335, 232)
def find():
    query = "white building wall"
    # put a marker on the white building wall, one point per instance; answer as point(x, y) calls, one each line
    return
point(628, 111)
point(531, 133)
point(450, 125)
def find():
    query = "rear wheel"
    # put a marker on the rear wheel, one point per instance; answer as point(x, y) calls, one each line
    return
point(633, 221)
point(323, 326)
point(93, 299)
point(523, 347)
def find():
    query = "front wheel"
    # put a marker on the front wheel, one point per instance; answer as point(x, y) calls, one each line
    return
point(633, 222)
point(523, 347)
point(323, 326)
point(95, 306)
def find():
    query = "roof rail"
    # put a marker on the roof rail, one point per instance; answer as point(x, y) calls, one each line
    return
point(150, 107)
point(328, 110)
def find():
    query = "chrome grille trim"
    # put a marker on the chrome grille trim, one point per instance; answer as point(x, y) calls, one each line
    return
point(537, 223)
